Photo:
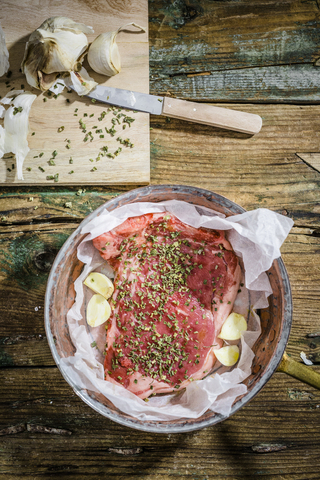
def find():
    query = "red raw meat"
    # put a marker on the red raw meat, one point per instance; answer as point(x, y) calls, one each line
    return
point(174, 287)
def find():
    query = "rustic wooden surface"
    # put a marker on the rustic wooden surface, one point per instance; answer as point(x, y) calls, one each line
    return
point(261, 54)
point(51, 113)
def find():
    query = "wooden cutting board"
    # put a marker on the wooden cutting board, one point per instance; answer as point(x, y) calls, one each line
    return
point(132, 164)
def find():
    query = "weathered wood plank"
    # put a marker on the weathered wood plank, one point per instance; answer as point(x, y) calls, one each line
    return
point(50, 205)
point(283, 84)
point(234, 34)
point(41, 397)
point(243, 51)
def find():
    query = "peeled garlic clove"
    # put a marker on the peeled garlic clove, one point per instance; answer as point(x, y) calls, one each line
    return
point(228, 355)
point(103, 54)
point(56, 48)
point(4, 54)
point(100, 283)
point(233, 327)
point(13, 137)
point(98, 310)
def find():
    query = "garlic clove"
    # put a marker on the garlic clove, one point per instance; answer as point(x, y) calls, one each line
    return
point(58, 46)
point(98, 310)
point(228, 355)
point(13, 137)
point(100, 283)
point(234, 326)
point(4, 54)
point(103, 54)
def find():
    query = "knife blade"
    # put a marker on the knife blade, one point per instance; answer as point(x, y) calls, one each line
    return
point(176, 108)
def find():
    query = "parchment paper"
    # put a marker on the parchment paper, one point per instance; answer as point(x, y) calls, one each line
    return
point(256, 238)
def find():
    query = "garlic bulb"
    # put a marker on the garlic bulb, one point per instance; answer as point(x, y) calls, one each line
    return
point(4, 54)
point(56, 48)
point(103, 54)
point(13, 137)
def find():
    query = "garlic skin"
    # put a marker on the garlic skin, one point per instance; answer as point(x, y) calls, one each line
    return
point(55, 49)
point(103, 54)
point(4, 54)
point(80, 82)
point(13, 136)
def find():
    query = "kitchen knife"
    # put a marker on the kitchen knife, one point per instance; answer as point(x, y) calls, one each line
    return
point(176, 108)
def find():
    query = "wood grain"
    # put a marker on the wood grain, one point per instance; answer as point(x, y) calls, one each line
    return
point(245, 51)
point(97, 445)
point(219, 117)
point(128, 165)
point(261, 54)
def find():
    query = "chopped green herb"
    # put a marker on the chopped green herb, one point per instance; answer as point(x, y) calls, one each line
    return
point(17, 110)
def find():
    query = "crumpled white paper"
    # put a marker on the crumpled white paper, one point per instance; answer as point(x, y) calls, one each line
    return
point(256, 237)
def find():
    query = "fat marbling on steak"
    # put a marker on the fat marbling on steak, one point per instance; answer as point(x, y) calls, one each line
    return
point(174, 287)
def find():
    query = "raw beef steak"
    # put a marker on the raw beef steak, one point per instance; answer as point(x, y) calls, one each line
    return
point(174, 287)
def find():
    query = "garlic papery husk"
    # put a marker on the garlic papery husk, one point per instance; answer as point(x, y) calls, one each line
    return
point(4, 54)
point(80, 82)
point(58, 46)
point(103, 53)
point(13, 136)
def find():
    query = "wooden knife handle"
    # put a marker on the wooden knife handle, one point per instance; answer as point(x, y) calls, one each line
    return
point(299, 371)
point(210, 115)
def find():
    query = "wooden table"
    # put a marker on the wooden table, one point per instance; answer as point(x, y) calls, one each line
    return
point(256, 56)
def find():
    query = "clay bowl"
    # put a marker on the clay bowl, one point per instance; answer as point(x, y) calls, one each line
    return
point(275, 320)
